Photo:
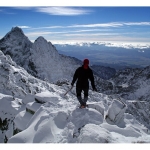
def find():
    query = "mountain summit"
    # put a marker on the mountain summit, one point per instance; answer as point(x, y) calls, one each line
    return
point(18, 46)
point(40, 58)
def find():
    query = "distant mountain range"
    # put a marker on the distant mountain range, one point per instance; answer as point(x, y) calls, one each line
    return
point(114, 55)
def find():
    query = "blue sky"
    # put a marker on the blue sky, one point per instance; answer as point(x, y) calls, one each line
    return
point(80, 23)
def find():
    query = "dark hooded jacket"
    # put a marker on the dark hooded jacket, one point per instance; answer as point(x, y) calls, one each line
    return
point(82, 76)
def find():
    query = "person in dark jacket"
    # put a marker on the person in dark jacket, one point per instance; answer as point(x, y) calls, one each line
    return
point(82, 75)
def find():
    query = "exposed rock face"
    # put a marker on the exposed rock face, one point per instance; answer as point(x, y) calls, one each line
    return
point(132, 85)
point(104, 72)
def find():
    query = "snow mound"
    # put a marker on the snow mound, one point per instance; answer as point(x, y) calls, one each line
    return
point(47, 97)
point(116, 112)
point(60, 120)
point(99, 134)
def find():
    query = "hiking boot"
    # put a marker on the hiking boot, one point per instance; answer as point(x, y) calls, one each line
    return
point(82, 106)
point(85, 105)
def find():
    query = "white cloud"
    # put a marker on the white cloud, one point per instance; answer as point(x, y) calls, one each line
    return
point(91, 30)
point(91, 34)
point(112, 24)
point(65, 11)
point(24, 27)
point(98, 25)
point(70, 33)
point(43, 33)
point(50, 27)
point(137, 23)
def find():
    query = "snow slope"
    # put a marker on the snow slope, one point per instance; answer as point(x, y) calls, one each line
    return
point(59, 120)
point(15, 85)
point(16, 81)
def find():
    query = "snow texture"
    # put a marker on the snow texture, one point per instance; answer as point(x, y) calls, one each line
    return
point(60, 120)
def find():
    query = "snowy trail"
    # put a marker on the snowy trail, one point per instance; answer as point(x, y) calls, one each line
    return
point(59, 120)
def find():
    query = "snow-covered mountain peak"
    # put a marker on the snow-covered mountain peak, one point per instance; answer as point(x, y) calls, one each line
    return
point(15, 36)
point(42, 46)
point(40, 59)
point(41, 38)
point(17, 30)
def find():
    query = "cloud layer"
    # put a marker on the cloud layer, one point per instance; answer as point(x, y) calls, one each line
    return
point(63, 11)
